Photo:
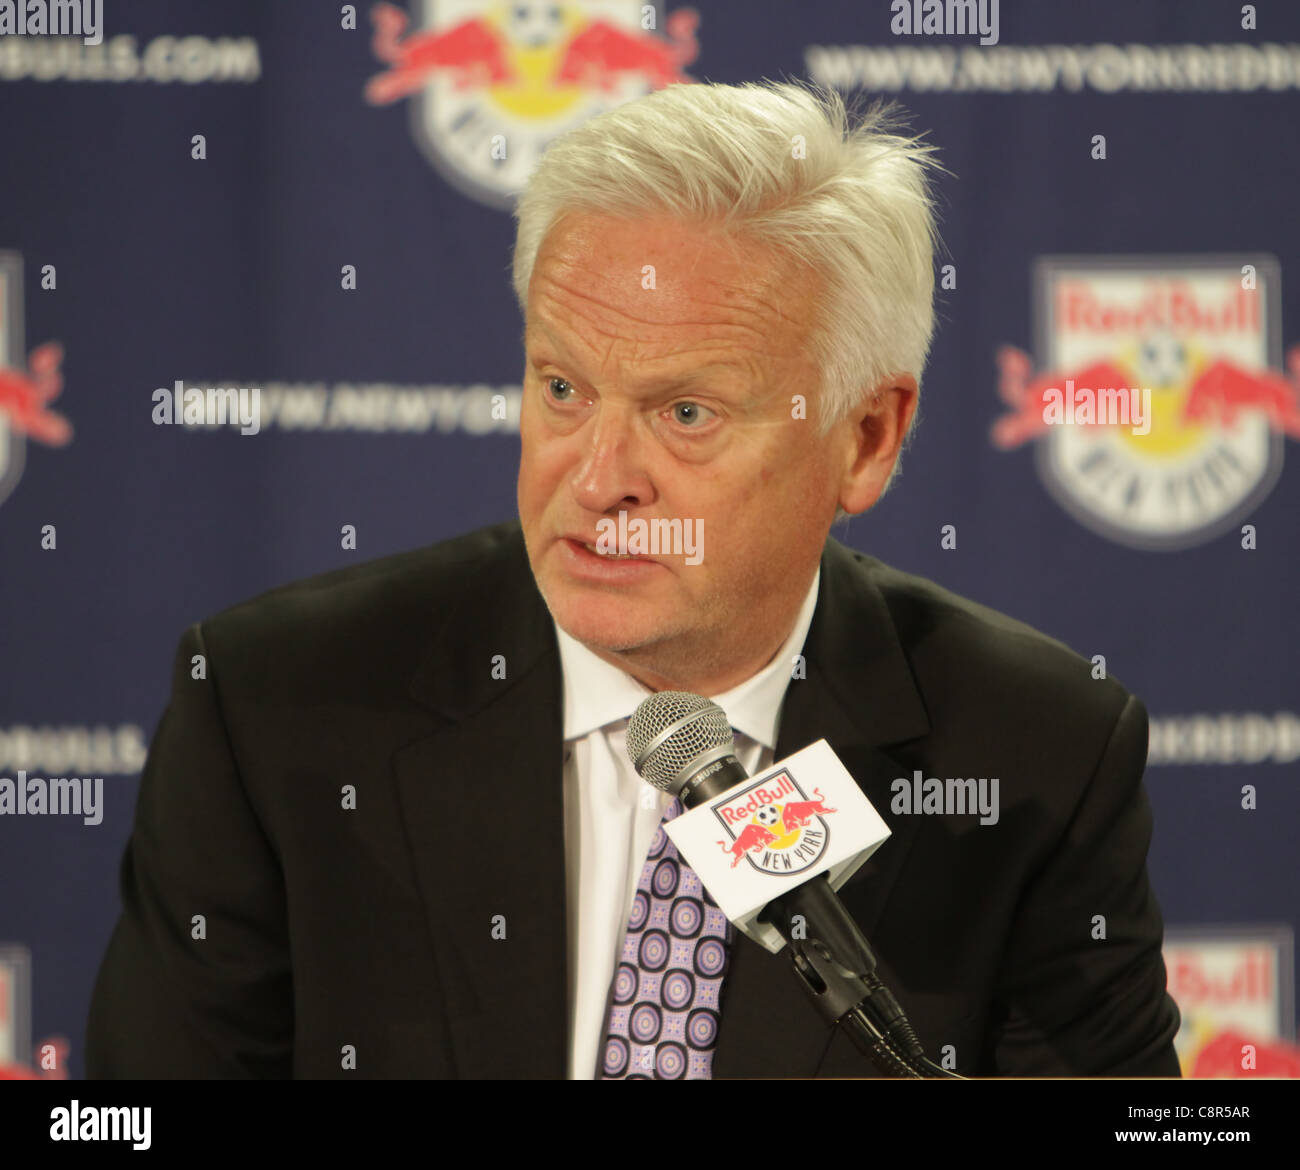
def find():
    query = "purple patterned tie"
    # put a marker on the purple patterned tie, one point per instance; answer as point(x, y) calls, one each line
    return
point(663, 1016)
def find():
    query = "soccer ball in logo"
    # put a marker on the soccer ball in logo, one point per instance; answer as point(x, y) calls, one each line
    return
point(768, 816)
point(534, 23)
point(1161, 361)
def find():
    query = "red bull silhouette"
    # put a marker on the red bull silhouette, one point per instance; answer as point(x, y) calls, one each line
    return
point(1027, 395)
point(798, 813)
point(1223, 389)
point(1215, 396)
point(24, 396)
point(598, 54)
point(753, 838)
point(472, 52)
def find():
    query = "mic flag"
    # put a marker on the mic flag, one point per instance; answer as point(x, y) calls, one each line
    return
point(801, 817)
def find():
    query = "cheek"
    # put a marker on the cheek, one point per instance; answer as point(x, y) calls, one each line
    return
point(531, 494)
point(541, 470)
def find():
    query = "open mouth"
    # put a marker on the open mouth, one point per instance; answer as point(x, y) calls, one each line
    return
point(584, 548)
point(591, 548)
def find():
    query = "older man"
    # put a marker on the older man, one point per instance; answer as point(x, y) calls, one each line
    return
point(392, 829)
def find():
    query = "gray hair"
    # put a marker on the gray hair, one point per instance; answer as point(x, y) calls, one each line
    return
point(785, 165)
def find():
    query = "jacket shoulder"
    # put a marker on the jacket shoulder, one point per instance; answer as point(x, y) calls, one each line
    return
point(389, 609)
point(949, 639)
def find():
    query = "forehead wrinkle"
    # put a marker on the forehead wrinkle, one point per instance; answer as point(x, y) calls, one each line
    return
point(755, 298)
point(757, 336)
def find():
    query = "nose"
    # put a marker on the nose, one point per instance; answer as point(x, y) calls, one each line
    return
point(612, 474)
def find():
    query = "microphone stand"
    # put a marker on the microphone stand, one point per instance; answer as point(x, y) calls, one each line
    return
point(838, 970)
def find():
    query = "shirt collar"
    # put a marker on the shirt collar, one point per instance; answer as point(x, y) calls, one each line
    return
point(597, 693)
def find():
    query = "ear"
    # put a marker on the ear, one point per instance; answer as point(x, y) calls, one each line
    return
point(874, 434)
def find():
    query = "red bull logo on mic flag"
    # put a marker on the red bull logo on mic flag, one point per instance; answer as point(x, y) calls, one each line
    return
point(774, 825)
point(1159, 404)
point(28, 382)
point(491, 84)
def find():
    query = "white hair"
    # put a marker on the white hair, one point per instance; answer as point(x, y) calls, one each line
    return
point(785, 165)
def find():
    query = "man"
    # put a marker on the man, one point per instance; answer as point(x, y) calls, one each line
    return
point(389, 829)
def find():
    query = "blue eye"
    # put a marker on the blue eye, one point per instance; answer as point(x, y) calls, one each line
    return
point(693, 416)
point(551, 382)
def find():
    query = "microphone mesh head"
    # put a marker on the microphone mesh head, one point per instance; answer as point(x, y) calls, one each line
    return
point(702, 726)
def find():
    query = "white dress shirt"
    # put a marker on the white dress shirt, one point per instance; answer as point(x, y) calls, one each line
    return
point(610, 813)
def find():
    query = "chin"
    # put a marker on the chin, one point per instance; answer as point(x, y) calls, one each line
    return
point(608, 621)
point(605, 625)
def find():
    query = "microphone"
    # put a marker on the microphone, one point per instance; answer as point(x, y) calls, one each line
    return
point(683, 744)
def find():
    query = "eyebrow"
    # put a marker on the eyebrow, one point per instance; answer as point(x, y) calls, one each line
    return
point(687, 377)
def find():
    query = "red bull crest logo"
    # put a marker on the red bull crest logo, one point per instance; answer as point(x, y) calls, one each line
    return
point(492, 83)
point(773, 825)
point(28, 382)
point(1159, 403)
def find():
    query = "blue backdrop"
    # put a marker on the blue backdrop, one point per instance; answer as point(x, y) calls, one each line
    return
point(185, 199)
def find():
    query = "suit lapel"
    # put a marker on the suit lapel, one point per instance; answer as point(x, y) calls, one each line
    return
point(858, 695)
point(482, 800)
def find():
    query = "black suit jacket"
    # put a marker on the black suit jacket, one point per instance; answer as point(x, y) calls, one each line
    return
point(325, 926)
